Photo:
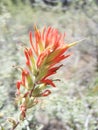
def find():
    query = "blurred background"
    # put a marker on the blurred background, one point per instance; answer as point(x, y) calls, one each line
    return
point(73, 104)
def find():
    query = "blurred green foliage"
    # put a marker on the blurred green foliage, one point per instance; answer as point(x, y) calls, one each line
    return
point(73, 105)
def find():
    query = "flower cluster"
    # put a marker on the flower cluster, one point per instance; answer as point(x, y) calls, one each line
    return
point(42, 57)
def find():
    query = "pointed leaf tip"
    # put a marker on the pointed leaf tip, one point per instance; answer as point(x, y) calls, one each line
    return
point(74, 43)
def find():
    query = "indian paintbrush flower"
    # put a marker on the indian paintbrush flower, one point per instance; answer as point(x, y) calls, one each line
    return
point(47, 50)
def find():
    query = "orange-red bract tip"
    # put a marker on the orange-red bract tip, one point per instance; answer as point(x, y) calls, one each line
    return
point(46, 93)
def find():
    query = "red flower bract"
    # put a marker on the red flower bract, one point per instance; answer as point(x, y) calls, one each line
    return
point(47, 50)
